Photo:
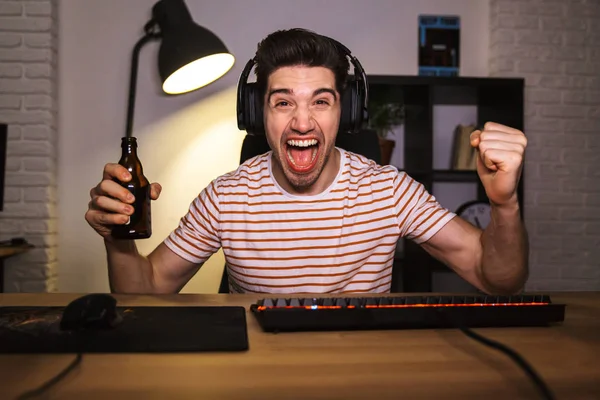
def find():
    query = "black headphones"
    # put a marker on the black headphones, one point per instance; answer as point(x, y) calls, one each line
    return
point(354, 100)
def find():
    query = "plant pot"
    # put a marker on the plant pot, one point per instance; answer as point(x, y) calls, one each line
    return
point(387, 147)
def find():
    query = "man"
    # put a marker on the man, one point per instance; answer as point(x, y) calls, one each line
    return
point(310, 217)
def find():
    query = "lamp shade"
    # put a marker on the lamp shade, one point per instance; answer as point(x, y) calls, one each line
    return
point(190, 56)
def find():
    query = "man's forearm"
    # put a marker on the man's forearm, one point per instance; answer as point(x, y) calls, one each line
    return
point(505, 251)
point(128, 270)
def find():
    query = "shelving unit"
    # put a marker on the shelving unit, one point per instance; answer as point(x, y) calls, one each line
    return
point(433, 108)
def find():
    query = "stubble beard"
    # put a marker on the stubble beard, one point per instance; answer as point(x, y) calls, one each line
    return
point(303, 182)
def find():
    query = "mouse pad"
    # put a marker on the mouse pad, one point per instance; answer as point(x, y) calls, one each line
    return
point(143, 329)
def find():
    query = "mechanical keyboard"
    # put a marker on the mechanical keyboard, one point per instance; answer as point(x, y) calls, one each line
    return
point(405, 312)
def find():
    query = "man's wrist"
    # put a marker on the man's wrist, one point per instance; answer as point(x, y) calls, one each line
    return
point(120, 245)
point(506, 214)
point(509, 208)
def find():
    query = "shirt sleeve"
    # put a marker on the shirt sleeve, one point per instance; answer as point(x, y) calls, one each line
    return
point(420, 215)
point(197, 236)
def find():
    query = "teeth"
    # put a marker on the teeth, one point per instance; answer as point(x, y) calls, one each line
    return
point(302, 143)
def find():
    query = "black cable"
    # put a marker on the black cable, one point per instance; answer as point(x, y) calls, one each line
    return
point(512, 354)
point(53, 381)
point(521, 362)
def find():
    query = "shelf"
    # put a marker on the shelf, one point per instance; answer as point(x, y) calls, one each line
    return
point(447, 175)
point(10, 251)
point(466, 81)
point(434, 107)
point(455, 176)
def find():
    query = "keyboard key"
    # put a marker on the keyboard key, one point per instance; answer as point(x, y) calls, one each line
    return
point(355, 301)
point(306, 302)
point(527, 298)
point(503, 299)
point(414, 300)
point(385, 301)
point(371, 301)
point(545, 298)
point(281, 302)
point(268, 302)
point(340, 302)
point(399, 300)
point(541, 299)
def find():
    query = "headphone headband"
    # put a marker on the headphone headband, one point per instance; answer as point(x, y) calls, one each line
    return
point(354, 99)
point(358, 70)
point(242, 95)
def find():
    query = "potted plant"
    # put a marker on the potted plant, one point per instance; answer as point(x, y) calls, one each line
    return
point(383, 117)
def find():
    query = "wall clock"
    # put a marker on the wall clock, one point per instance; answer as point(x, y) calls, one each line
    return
point(477, 212)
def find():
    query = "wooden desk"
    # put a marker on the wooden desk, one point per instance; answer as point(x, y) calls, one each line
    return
point(409, 364)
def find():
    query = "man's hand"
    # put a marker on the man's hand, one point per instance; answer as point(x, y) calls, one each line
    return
point(110, 203)
point(499, 161)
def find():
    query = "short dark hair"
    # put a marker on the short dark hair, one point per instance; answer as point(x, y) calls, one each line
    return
point(297, 46)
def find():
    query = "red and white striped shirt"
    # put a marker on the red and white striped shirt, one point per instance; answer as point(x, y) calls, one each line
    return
point(341, 240)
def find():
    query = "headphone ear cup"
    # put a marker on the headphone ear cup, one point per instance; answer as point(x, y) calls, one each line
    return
point(259, 128)
point(360, 107)
point(350, 120)
point(253, 110)
point(346, 115)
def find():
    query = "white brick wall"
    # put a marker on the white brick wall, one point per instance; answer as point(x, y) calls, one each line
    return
point(555, 45)
point(28, 55)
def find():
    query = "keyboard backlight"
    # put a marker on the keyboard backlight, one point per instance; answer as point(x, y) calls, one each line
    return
point(317, 307)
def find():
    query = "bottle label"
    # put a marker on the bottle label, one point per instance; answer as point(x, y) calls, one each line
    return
point(139, 225)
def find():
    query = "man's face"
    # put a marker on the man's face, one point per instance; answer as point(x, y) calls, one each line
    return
point(302, 113)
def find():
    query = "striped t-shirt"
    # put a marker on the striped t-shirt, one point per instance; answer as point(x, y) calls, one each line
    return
point(341, 240)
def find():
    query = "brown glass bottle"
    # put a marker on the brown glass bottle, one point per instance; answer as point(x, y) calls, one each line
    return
point(139, 225)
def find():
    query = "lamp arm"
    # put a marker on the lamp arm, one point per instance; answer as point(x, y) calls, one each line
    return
point(151, 34)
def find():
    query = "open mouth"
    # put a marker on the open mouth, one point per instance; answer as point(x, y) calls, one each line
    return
point(302, 154)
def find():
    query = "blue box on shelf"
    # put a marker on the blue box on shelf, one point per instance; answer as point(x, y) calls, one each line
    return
point(439, 45)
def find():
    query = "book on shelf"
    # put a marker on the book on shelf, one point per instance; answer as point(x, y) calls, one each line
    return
point(464, 156)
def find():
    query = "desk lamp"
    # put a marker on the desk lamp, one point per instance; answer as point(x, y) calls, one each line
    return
point(189, 57)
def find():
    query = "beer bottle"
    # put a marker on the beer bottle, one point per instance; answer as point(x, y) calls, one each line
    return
point(139, 225)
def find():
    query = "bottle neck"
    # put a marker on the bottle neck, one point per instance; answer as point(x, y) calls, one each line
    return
point(129, 156)
point(129, 150)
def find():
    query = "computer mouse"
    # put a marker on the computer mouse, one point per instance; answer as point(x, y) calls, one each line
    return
point(94, 311)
